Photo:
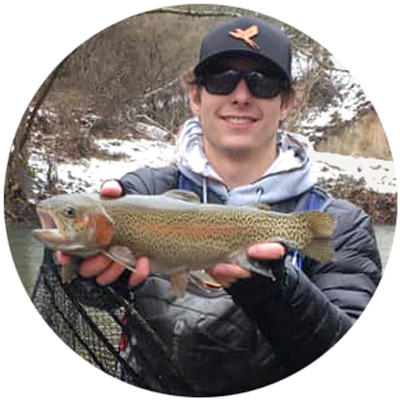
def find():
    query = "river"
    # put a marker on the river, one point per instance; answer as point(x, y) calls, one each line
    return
point(27, 252)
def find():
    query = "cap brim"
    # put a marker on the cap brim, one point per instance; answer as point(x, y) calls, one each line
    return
point(200, 67)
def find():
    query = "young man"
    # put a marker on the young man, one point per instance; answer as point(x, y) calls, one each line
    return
point(256, 330)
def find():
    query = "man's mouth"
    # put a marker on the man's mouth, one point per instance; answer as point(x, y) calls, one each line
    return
point(239, 121)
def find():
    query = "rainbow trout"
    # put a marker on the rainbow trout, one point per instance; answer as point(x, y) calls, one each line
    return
point(175, 231)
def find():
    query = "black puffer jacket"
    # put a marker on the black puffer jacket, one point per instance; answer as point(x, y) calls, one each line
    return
point(258, 331)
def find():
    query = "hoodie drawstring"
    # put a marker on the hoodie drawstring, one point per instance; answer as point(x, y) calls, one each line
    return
point(205, 193)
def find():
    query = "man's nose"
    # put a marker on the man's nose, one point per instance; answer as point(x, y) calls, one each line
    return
point(241, 94)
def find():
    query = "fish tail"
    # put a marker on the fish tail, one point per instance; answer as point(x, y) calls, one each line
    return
point(320, 250)
point(322, 226)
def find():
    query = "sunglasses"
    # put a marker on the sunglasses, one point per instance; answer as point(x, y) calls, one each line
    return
point(259, 83)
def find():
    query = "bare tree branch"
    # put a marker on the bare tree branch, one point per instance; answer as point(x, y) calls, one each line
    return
point(191, 13)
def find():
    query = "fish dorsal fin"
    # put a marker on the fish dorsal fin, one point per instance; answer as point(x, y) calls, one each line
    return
point(184, 195)
point(121, 255)
point(260, 206)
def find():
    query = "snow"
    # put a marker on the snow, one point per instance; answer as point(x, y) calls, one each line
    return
point(379, 175)
point(344, 108)
point(88, 174)
point(152, 132)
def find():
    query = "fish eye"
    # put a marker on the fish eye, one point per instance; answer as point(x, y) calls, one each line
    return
point(69, 212)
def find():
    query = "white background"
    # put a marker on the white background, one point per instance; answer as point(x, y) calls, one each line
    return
point(36, 36)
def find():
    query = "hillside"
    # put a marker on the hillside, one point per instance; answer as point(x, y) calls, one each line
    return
point(116, 102)
point(369, 183)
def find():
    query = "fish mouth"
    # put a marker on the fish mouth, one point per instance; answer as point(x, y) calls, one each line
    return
point(56, 235)
point(49, 233)
point(46, 219)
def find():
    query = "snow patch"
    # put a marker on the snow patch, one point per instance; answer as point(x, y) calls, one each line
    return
point(379, 175)
point(88, 174)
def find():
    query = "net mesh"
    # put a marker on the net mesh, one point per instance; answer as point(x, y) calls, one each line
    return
point(92, 332)
point(91, 319)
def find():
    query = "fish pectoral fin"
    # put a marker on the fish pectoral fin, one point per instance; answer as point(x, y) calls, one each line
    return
point(179, 283)
point(240, 258)
point(184, 195)
point(122, 255)
point(67, 274)
point(198, 282)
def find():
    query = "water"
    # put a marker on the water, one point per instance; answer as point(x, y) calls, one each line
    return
point(27, 252)
point(384, 236)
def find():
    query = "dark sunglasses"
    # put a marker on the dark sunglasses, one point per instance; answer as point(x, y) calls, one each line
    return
point(224, 82)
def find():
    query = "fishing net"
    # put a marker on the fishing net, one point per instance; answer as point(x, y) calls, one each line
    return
point(90, 319)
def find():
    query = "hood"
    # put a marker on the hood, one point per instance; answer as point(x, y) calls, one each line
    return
point(288, 176)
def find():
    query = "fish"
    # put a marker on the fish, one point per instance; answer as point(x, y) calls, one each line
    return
point(176, 232)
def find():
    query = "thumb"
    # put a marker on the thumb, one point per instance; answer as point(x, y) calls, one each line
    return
point(111, 188)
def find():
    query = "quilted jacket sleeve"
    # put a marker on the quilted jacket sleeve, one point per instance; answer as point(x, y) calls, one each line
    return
point(149, 180)
point(307, 312)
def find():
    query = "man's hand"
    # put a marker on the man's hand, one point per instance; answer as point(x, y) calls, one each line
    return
point(102, 267)
point(227, 274)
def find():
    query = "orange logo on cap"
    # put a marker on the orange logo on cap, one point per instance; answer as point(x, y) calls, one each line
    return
point(247, 35)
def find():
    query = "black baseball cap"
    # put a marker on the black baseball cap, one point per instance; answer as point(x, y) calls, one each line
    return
point(248, 37)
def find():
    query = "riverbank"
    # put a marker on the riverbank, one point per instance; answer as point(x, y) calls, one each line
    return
point(367, 182)
point(382, 207)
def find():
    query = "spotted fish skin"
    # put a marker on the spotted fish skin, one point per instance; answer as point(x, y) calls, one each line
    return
point(174, 230)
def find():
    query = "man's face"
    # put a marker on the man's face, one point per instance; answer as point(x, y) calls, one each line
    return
point(238, 123)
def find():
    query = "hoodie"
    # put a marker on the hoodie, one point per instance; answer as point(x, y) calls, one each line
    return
point(287, 177)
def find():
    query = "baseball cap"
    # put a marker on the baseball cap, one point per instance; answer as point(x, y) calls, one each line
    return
point(249, 37)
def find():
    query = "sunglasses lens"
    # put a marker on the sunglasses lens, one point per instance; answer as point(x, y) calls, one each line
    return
point(223, 82)
point(262, 85)
point(259, 83)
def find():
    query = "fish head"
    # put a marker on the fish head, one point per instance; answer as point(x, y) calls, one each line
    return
point(75, 224)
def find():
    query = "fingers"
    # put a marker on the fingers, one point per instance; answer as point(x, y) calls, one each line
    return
point(266, 251)
point(142, 272)
point(110, 274)
point(107, 271)
point(103, 268)
point(111, 188)
point(226, 274)
point(94, 266)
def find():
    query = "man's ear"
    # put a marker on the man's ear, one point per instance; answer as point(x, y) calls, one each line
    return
point(286, 107)
point(194, 99)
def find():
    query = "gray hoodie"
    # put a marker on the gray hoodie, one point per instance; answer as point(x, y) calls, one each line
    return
point(288, 176)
